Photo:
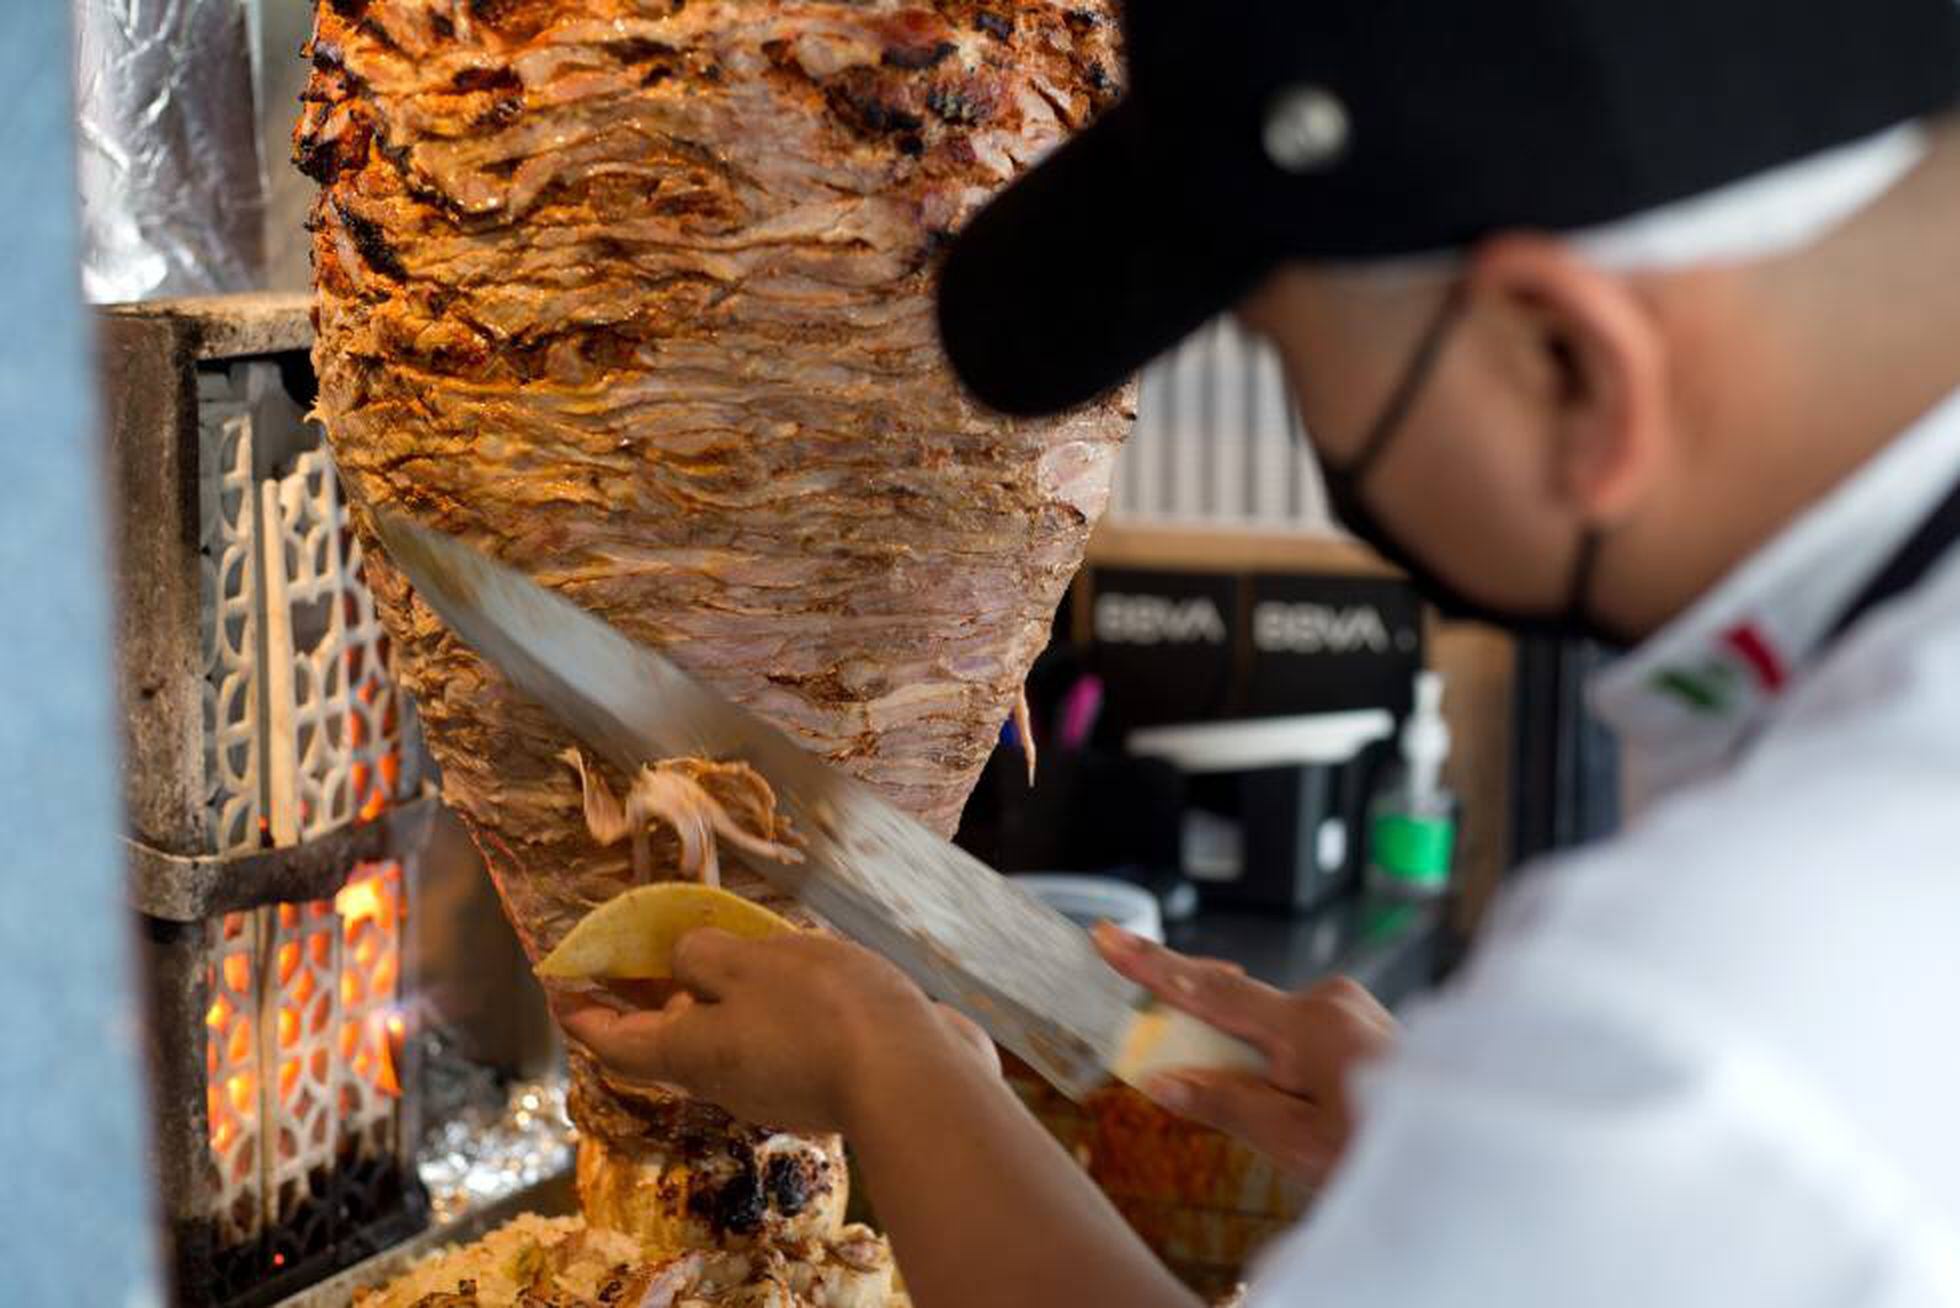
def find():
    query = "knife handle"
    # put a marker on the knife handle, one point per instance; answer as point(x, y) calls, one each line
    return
point(1162, 1039)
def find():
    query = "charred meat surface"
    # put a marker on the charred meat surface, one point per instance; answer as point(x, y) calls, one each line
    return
point(637, 296)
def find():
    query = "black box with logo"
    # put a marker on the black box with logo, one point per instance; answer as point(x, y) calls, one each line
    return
point(1186, 648)
point(1327, 644)
point(1209, 646)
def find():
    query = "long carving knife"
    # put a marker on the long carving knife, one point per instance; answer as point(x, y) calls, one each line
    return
point(967, 935)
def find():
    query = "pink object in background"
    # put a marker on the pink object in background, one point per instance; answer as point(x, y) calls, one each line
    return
point(1080, 709)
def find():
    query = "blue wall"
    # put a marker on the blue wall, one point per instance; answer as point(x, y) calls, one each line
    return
point(74, 1218)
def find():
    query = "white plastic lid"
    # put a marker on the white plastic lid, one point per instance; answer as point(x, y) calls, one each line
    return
point(1311, 738)
point(1087, 900)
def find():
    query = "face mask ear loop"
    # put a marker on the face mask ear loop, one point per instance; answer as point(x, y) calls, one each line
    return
point(1414, 378)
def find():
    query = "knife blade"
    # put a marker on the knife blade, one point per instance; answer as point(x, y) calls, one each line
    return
point(968, 936)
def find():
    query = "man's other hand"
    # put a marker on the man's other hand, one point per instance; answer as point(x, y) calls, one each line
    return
point(1298, 1113)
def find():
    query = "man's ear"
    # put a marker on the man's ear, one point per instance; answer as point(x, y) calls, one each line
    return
point(1602, 360)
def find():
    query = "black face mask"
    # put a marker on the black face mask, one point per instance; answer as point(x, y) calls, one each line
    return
point(1345, 497)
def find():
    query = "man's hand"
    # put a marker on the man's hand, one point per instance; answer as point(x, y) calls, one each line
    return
point(1298, 1113)
point(812, 1034)
point(789, 1031)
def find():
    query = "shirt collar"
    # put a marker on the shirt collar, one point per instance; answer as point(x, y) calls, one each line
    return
point(1686, 699)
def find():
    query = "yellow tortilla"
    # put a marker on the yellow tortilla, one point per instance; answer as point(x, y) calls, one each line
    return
point(1161, 1039)
point(632, 937)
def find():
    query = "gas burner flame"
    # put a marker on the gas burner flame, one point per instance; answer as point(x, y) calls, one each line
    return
point(362, 900)
point(322, 998)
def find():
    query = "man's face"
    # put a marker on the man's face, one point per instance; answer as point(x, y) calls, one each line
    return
point(1464, 483)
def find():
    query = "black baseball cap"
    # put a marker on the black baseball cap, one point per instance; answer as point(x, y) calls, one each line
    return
point(1255, 132)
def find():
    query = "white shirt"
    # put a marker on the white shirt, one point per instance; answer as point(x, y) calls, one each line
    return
point(1714, 1061)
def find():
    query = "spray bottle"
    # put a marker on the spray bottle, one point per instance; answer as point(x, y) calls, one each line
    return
point(1412, 820)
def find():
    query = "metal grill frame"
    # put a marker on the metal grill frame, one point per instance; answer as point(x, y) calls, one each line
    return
point(1218, 444)
point(253, 745)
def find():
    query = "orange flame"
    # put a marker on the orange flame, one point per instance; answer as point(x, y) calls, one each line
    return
point(360, 963)
point(385, 1079)
point(387, 1046)
point(361, 900)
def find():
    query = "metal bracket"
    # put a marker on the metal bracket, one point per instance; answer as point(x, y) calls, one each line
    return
point(175, 888)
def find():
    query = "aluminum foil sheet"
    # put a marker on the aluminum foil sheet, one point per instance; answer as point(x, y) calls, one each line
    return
point(487, 1151)
point(172, 183)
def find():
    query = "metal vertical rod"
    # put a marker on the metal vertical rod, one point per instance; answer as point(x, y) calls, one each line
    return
point(71, 1127)
point(1250, 378)
point(1212, 347)
point(1296, 458)
point(1228, 426)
